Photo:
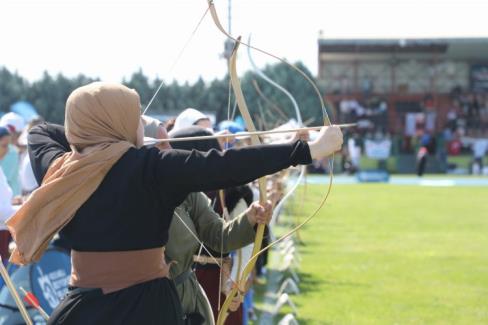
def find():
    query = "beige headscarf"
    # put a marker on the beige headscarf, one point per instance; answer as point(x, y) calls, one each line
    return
point(101, 125)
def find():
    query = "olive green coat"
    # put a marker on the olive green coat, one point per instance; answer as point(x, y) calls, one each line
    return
point(211, 229)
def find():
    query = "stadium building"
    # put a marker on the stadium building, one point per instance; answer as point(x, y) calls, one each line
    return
point(407, 87)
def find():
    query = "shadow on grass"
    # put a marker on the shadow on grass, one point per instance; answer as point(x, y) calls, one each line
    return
point(310, 283)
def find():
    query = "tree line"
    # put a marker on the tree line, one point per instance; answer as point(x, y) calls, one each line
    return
point(267, 104)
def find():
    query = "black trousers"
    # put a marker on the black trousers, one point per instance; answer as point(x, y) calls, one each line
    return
point(153, 302)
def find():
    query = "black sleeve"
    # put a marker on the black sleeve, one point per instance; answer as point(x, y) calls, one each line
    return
point(176, 173)
point(180, 172)
point(46, 142)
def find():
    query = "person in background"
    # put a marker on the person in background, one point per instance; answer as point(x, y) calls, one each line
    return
point(479, 151)
point(10, 164)
point(454, 145)
point(427, 146)
point(28, 182)
point(198, 213)
point(422, 160)
point(441, 152)
point(7, 208)
point(207, 271)
point(169, 124)
point(354, 145)
point(238, 199)
point(479, 147)
point(154, 128)
point(191, 117)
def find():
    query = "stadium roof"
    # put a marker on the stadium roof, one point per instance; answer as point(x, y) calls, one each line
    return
point(451, 48)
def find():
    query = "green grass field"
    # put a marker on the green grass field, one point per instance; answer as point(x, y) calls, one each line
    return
point(385, 254)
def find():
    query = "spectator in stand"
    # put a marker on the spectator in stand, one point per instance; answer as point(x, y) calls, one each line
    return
point(354, 145)
point(484, 115)
point(346, 165)
point(473, 111)
point(454, 146)
point(427, 146)
point(479, 147)
point(441, 140)
point(429, 142)
point(451, 119)
point(421, 160)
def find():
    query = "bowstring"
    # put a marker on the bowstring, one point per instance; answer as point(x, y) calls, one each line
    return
point(161, 84)
point(202, 245)
point(178, 57)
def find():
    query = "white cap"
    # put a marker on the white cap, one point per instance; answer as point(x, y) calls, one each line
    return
point(188, 118)
point(14, 122)
point(22, 141)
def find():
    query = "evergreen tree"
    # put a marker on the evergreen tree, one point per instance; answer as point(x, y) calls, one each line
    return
point(49, 94)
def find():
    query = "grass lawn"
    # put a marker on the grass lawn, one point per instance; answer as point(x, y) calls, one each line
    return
point(385, 254)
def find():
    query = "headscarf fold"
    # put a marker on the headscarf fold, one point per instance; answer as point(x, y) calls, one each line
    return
point(101, 125)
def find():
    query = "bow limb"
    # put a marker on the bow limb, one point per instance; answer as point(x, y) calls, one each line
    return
point(243, 108)
point(218, 24)
point(275, 107)
point(241, 103)
point(276, 85)
point(299, 120)
point(15, 295)
point(255, 140)
point(226, 217)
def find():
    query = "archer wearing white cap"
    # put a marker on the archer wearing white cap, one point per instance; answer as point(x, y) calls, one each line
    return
point(189, 117)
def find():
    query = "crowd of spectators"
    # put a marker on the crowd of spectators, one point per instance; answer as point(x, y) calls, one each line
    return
point(427, 132)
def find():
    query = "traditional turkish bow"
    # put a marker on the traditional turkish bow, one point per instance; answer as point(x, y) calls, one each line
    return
point(250, 125)
point(238, 286)
point(241, 103)
point(299, 120)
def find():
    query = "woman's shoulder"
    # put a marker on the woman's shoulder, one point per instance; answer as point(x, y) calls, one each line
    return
point(138, 162)
point(142, 154)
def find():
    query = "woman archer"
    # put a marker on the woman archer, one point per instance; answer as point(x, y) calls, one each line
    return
point(113, 200)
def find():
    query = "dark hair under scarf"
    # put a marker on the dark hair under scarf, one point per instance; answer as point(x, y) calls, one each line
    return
point(200, 145)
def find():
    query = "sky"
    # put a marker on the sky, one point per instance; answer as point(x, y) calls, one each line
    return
point(111, 39)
